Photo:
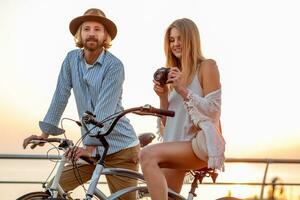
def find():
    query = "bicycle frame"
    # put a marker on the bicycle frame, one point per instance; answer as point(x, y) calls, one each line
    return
point(55, 189)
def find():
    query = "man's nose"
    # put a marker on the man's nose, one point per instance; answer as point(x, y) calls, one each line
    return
point(92, 33)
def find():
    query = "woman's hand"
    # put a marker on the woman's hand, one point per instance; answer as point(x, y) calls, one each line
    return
point(175, 78)
point(160, 90)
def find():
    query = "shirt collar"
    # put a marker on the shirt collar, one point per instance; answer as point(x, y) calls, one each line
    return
point(100, 59)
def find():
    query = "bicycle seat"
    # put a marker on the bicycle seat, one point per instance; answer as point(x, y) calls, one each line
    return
point(205, 172)
point(146, 138)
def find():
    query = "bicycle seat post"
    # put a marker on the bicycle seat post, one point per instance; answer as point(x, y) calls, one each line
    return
point(197, 177)
point(192, 192)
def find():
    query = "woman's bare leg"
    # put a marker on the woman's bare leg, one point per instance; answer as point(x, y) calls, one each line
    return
point(174, 155)
point(174, 178)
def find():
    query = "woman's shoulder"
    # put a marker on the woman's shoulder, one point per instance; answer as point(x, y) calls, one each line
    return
point(209, 76)
point(209, 63)
point(208, 66)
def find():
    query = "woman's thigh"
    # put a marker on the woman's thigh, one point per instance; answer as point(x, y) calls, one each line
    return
point(175, 155)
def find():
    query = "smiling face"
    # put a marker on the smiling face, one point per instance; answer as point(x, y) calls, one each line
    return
point(175, 42)
point(93, 35)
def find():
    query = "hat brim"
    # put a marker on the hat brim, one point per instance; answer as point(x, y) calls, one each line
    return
point(108, 24)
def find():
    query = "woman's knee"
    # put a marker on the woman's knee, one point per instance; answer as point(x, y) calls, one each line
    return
point(147, 157)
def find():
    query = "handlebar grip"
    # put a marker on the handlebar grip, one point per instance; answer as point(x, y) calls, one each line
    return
point(96, 123)
point(89, 118)
point(36, 142)
point(168, 113)
point(40, 142)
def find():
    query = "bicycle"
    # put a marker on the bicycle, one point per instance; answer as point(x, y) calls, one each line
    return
point(55, 191)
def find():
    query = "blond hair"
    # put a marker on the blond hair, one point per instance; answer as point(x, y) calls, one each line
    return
point(191, 49)
point(78, 40)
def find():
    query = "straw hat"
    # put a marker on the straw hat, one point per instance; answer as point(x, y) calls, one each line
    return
point(94, 14)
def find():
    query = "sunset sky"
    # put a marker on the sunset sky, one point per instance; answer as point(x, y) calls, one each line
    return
point(255, 43)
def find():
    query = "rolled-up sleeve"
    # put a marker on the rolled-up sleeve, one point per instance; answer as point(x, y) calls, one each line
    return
point(61, 95)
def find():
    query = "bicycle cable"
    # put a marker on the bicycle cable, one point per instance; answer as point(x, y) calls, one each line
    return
point(61, 124)
point(75, 168)
point(77, 176)
point(56, 161)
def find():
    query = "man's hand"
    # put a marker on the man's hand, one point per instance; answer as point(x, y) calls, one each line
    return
point(74, 153)
point(27, 140)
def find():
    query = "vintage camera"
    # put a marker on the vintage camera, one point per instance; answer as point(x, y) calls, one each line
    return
point(161, 75)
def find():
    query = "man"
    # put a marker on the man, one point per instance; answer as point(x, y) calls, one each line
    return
point(96, 77)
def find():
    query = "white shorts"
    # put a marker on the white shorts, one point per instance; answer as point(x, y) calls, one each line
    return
point(199, 146)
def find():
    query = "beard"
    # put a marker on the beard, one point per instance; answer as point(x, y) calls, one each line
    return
point(92, 44)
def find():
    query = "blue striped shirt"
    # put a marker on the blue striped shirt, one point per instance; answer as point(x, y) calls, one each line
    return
point(97, 89)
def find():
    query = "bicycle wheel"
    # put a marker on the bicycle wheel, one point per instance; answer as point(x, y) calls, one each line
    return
point(34, 196)
point(228, 198)
point(142, 193)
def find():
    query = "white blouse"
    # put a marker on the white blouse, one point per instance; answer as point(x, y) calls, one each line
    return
point(177, 127)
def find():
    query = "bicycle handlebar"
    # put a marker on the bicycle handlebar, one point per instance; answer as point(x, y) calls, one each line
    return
point(89, 118)
point(157, 111)
point(63, 142)
point(36, 141)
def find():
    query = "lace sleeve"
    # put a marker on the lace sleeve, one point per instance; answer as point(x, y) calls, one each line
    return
point(207, 107)
point(205, 113)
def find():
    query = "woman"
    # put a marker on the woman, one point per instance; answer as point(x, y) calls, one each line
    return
point(192, 139)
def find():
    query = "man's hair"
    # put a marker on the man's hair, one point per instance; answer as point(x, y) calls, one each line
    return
point(78, 40)
point(191, 48)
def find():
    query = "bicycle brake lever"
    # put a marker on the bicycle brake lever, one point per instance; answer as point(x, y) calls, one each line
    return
point(90, 113)
point(64, 144)
point(89, 118)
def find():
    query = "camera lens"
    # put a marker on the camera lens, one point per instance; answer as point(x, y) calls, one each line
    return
point(161, 75)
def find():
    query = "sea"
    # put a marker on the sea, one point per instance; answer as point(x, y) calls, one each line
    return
point(241, 180)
